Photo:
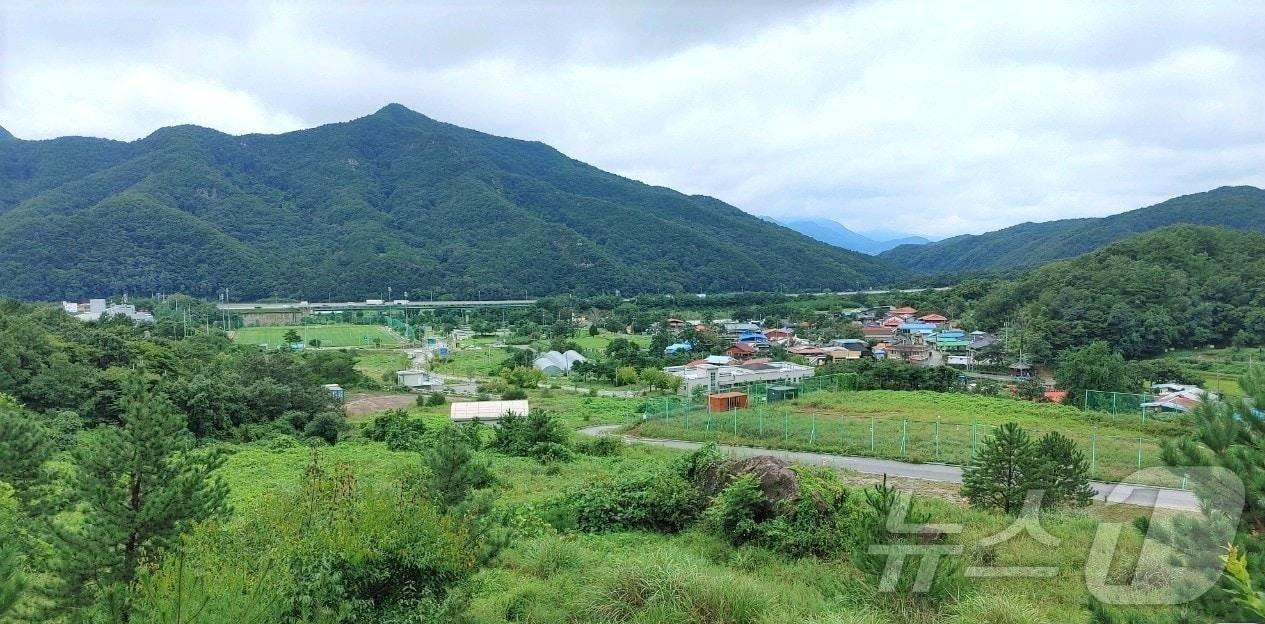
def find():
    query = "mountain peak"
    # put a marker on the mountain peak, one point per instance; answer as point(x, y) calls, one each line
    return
point(399, 112)
point(5, 135)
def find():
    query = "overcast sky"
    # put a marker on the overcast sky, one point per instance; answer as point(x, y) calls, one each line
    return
point(935, 118)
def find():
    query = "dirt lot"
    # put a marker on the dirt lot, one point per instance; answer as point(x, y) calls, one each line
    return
point(363, 404)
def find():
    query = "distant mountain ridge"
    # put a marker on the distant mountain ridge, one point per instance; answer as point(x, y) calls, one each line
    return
point(1031, 244)
point(837, 234)
point(394, 199)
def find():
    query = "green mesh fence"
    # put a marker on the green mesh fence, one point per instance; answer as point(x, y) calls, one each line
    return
point(1116, 402)
point(794, 425)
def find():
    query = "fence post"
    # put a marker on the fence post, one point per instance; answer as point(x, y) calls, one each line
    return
point(937, 438)
point(904, 437)
point(760, 415)
point(812, 433)
point(1139, 452)
point(1093, 453)
point(786, 425)
point(871, 435)
point(972, 438)
point(735, 423)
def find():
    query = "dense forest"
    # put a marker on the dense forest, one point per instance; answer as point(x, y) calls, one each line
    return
point(347, 210)
point(1177, 287)
point(1031, 244)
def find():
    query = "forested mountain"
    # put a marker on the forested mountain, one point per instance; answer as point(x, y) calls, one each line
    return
point(1180, 286)
point(393, 199)
point(1030, 244)
point(835, 233)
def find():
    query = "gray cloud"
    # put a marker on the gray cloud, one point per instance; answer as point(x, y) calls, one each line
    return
point(936, 118)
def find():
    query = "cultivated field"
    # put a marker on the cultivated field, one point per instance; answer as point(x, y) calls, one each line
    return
point(329, 335)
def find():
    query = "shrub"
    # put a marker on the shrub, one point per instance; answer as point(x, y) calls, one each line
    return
point(654, 500)
point(602, 446)
point(398, 430)
point(516, 434)
point(327, 426)
point(550, 453)
point(739, 510)
point(514, 394)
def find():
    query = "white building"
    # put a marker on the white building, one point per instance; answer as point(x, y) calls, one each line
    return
point(486, 411)
point(419, 379)
point(715, 378)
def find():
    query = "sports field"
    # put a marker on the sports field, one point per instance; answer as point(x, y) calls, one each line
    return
point(329, 335)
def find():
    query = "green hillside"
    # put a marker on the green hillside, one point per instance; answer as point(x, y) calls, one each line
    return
point(1178, 287)
point(393, 199)
point(1031, 244)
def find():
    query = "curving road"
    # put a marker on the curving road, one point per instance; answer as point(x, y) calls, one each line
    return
point(1164, 498)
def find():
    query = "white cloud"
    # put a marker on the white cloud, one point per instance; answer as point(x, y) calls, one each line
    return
point(934, 118)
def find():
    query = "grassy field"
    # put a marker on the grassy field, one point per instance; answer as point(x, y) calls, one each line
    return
point(918, 426)
point(329, 335)
point(474, 358)
point(374, 364)
point(560, 576)
point(597, 344)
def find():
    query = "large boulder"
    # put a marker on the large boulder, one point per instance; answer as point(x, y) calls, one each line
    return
point(774, 477)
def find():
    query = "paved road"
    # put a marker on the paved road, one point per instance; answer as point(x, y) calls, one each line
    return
point(1165, 498)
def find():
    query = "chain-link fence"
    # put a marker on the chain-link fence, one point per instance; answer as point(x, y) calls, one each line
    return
point(1116, 402)
point(793, 425)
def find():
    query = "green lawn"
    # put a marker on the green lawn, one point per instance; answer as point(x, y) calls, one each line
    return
point(597, 344)
point(472, 359)
point(329, 335)
point(918, 426)
point(375, 363)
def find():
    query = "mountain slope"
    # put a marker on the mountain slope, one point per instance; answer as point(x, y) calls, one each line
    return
point(1176, 287)
point(1029, 244)
point(835, 233)
point(393, 199)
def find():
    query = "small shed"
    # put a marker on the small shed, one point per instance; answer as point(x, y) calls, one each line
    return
point(782, 393)
point(1021, 369)
point(335, 391)
point(726, 401)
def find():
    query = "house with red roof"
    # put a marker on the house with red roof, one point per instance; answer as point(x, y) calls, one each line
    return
point(934, 318)
point(741, 351)
point(905, 311)
point(783, 333)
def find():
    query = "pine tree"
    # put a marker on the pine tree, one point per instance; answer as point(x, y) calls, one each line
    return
point(12, 582)
point(24, 447)
point(454, 471)
point(141, 485)
point(1003, 471)
point(1064, 472)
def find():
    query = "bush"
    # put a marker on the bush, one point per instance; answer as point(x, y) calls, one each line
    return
point(327, 426)
point(550, 453)
point(436, 399)
point(654, 500)
point(514, 394)
point(398, 430)
point(517, 435)
point(602, 446)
